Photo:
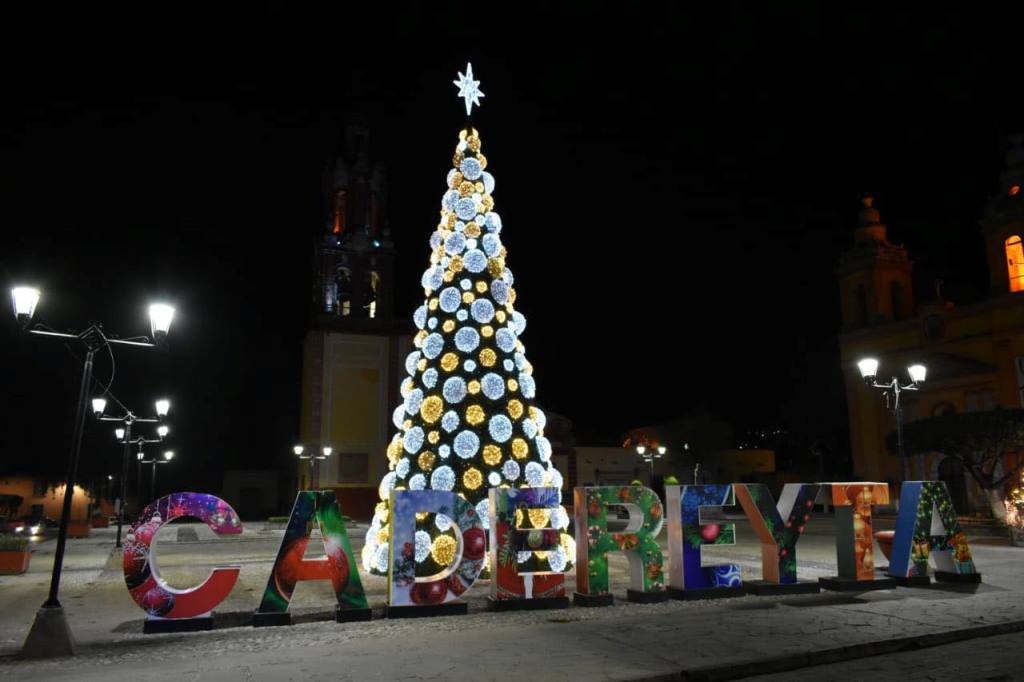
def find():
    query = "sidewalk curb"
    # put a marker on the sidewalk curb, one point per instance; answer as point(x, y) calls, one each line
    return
point(778, 664)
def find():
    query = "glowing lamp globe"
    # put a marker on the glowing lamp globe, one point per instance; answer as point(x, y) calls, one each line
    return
point(917, 373)
point(160, 317)
point(98, 405)
point(163, 406)
point(119, 433)
point(868, 368)
point(169, 455)
point(25, 300)
point(163, 430)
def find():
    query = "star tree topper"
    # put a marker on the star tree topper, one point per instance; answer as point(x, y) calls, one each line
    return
point(469, 89)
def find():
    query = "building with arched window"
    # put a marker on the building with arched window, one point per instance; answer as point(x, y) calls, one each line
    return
point(354, 349)
point(974, 352)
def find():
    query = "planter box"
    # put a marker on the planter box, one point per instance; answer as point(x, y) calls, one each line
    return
point(12, 562)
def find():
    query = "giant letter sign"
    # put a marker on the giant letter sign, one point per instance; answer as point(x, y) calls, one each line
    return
point(517, 573)
point(637, 540)
point(778, 526)
point(290, 567)
point(404, 587)
point(854, 539)
point(686, 535)
point(928, 525)
point(141, 574)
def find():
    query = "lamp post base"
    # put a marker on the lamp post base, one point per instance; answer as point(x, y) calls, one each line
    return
point(50, 636)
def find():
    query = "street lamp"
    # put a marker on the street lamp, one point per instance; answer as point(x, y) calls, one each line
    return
point(651, 455)
point(315, 457)
point(141, 457)
point(892, 389)
point(124, 436)
point(50, 634)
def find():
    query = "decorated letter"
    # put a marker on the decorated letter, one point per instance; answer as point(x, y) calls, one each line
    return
point(460, 547)
point(142, 575)
point(638, 540)
point(778, 526)
point(854, 539)
point(928, 525)
point(521, 526)
point(687, 534)
point(338, 565)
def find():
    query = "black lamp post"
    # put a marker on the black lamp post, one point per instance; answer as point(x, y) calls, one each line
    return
point(892, 389)
point(124, 436)
point(649, 455)
point(314, 461)
point(168, 456)
point(50, 634)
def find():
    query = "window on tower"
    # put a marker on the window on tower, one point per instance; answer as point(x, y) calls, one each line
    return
point(1015, 263)
point(343, 291)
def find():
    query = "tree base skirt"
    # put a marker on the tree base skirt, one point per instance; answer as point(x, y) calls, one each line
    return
point(589, 600)
point(156, 626)
point(840, 584)
point(706, 593)
point(535, 604)
point(452, 608)
point(763, 588)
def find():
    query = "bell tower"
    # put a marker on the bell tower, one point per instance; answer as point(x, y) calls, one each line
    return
point(353, 353)
point(874, 276)
point(1003, 225)
point(354, 254)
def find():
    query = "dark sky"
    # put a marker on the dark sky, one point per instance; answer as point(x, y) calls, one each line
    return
point(676, 187)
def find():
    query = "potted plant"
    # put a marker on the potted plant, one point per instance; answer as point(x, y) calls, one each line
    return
point(14, 555)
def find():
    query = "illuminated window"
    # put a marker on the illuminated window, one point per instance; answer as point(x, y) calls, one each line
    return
point(1015, 263)
point(1015, 190)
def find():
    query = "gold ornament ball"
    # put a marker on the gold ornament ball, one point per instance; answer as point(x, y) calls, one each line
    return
point(466, 188)
point(431, 408)
point(500, 316)
point(433, 437)
point(472, 230)
point(473, 387)
point(448, 276)
point(488, 357)
point(443, 549)
point(475, 414)
point(519, 448)
point(448, 326)
point(426, 460)
point(456, 264)
point(513, 385)
point(472, 478)
point(487, 331)
point(492, 454)
point(449, 361)
point(515, 409)
point(481, 287)
point(468, 297)
point(422, 364)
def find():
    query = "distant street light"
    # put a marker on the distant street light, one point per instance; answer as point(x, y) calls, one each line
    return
point(650, 455)
point(167, 457)
point(892, 389)
point(314, 461)
point(50, 634)
point(124, 436)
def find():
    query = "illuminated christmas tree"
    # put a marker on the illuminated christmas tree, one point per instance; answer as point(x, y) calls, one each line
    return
point(468, 421)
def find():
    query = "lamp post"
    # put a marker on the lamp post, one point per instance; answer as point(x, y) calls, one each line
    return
point(50, 634)
point(649, 455)
point(315, 457)
point(892, 389)
point(168, 456)
point(124, 436)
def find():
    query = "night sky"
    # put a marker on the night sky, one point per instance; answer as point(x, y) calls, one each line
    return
point(676, 188)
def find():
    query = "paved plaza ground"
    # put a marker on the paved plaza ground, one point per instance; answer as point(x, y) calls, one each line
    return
point(674, 640)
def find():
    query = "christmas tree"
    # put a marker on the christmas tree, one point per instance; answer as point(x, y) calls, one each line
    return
point(468, 421)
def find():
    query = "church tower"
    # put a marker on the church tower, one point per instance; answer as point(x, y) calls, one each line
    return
point(354, 348)
point(1003, 225)
point(874, 276)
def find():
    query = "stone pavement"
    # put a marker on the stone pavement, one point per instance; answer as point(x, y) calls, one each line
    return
point(622, 642)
